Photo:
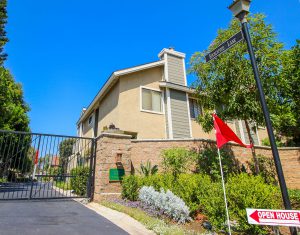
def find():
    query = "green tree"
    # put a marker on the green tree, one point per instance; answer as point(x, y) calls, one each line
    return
point(227, 83)
point(287, 120)
point(65, 152)
point(13, 108)
point(13, 113)
point(45, 162)
point(3, 38)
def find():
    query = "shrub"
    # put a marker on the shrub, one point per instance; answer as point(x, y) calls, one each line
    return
point(158, 181)
point(130, 187)
point(212, 204)
point(279, 142)
point(191, 188)
point(79, 180)
point(167, 202)
point(207, 162)
point(148, 169)
point(295, 198)
point(57, 174)
point(245, 191)
point(266, 169)
point(177, 160)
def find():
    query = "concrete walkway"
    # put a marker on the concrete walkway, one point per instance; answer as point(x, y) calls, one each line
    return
point(122, 220)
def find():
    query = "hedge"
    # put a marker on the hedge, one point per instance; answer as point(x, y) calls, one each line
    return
point(200, 193)
point(79, 180)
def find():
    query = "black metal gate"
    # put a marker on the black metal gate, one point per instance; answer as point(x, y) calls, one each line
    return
point(37, 166)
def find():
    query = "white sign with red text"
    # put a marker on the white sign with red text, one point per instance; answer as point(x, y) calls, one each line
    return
point(273, 217)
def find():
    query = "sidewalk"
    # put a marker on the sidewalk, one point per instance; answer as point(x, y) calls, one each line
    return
point(120, 219)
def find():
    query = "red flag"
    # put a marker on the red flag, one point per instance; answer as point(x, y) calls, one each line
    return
point(36, 160)
point(224, 134)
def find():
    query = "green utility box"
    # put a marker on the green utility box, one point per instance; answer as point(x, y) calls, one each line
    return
point(116, 174)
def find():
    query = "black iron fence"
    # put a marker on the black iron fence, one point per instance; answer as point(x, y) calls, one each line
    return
point(36, 166)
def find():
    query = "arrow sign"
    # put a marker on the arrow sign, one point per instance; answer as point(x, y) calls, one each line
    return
point(224, 46)
point(273, 217)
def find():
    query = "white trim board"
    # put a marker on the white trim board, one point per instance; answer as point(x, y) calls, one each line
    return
point(189, 114)
point(170, 123)
point(175, 86)
point(171, 52)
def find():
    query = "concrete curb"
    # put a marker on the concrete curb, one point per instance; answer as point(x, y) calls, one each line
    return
point(120, 219)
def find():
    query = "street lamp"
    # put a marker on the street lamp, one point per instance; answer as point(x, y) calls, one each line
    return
point(240, 9)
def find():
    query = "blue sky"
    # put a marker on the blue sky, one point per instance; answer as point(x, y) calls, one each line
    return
point(62, 51)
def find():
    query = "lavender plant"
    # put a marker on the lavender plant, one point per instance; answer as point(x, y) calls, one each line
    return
point(166, 202)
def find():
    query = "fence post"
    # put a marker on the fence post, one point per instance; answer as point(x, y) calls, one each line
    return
point(91, 181)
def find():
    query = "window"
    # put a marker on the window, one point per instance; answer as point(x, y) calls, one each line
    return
point(151, 100)
point(90, 121)
point(195, 109)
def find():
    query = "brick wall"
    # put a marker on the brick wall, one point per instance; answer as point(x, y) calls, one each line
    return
point(108, 147)
point(136, 151)
point(142, 150)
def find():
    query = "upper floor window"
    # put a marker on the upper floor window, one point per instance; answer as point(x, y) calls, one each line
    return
point(195, 109)
point(151, 100)
point(90, 121)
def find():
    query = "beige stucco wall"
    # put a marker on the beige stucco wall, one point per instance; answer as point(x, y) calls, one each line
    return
point(108, 112)
point(109, 109)
point(87, 130)
point(197, 131)
point(121, 106)
point(131, 118)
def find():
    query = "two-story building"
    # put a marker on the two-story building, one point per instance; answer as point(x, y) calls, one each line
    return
point(151, 101)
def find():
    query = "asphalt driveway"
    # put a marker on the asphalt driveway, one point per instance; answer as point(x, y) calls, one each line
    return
point(52, 217)
point(24, 190)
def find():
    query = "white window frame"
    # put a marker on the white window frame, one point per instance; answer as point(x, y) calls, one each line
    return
point(141, 100)
point(201, 108)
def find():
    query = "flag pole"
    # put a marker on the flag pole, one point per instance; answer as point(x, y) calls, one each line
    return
point(224, 191)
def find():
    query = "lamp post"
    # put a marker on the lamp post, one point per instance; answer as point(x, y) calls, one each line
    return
point(240, 9)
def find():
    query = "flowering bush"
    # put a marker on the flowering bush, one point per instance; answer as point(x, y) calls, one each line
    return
point(165, 201)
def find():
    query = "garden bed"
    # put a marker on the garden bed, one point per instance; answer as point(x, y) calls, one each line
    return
point(154, 220)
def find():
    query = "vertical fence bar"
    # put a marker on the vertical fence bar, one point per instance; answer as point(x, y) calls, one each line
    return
point(28, 165)
point(34, 168)
point(5, 163)
point(9, 169)
point(15, 167)
point(24, 153)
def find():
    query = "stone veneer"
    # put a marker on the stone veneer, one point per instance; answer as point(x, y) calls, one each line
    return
point(136, 151)
point(108, 146)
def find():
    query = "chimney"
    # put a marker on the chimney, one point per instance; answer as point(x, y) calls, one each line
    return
point(170, 51)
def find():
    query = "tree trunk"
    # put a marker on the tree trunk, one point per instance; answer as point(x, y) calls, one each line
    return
point(252, 149)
